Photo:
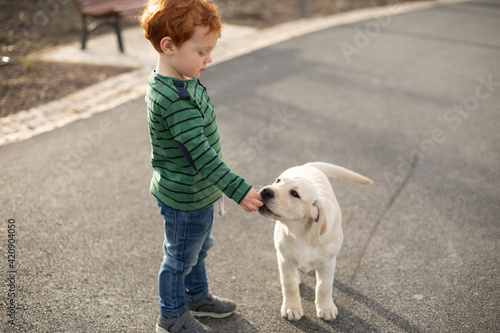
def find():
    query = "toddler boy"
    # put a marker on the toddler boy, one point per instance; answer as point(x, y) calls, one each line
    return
point(189, 175)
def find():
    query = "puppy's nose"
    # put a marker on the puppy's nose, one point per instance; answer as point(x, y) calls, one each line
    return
point(267, 193)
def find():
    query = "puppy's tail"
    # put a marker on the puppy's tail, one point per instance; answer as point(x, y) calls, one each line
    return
point(335, 171)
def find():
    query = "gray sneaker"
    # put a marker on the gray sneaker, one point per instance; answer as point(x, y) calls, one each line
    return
point(212, 306)
point(183, 324)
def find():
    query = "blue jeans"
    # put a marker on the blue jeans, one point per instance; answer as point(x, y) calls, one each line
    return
point(182, 277)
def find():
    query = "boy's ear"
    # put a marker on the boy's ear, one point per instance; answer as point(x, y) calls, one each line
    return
point(167, 46)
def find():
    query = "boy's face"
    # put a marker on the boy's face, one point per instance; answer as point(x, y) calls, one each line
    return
point(193, 57)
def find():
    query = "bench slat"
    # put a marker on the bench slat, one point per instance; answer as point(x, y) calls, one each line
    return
point(104, 9)
point(110, 8)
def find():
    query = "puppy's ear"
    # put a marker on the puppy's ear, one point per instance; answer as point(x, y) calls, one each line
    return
point(316, 209)
point(317, 213)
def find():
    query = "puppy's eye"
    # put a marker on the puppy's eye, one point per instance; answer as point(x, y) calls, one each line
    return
point(277, 180)
point(294, 194)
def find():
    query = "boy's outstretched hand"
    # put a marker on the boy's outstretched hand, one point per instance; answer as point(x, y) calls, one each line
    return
point(252, 201)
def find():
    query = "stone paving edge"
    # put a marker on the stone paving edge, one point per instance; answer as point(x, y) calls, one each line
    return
point(132, 85)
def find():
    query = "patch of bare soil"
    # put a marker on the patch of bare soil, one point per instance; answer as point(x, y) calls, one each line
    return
point(27, 26)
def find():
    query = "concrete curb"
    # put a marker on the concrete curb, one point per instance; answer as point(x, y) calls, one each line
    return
point(236, 41)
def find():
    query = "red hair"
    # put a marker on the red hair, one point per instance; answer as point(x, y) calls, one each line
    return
point(178, 19)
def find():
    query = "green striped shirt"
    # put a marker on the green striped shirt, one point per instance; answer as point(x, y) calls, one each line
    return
point(189, 173)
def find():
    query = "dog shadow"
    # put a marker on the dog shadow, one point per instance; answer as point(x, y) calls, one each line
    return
point(347, 321)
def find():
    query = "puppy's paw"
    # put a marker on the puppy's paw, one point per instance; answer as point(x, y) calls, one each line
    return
point(327, 313)
point(292, 314)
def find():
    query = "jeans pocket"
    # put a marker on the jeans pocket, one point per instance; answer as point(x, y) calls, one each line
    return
point(170, 217)
point(199, 222)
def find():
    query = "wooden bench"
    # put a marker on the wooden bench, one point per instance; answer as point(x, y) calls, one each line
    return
point(107, 12)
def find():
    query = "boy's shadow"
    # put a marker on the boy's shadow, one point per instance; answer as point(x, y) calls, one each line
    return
point(234, 323)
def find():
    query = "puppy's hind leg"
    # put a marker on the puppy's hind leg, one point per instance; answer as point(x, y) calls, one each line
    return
point(325, 308)
point(289, 276)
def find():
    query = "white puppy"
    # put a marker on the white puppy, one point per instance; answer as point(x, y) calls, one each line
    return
point(308, 233)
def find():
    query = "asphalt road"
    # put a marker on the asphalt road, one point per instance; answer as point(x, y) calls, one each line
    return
point(411, 101)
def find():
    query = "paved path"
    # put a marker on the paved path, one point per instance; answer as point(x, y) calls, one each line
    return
point(102, 50)
point(410, 100)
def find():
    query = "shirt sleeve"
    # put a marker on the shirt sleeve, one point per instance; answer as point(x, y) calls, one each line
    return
point(186, 124)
